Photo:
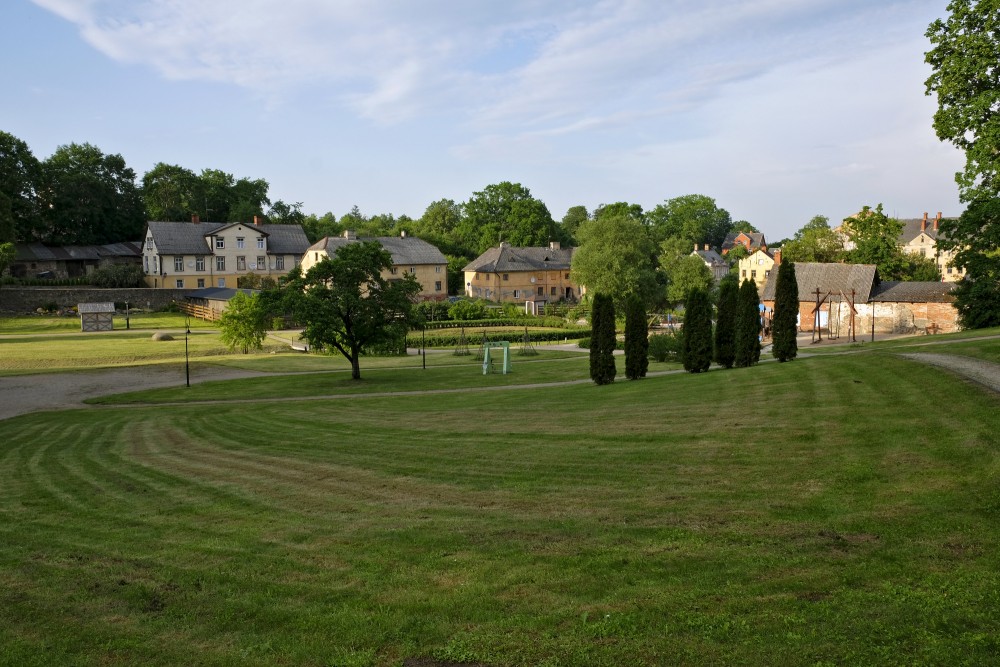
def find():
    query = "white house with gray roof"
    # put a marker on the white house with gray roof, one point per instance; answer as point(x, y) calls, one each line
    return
point(409, 255)
point(195, 255)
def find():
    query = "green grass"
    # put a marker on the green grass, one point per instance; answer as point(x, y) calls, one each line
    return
point(44, 324)
point(819, 512)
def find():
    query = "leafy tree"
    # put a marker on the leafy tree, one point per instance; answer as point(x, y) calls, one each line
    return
point(248, 197)
point(747, 326)
point(735, 254)
point(615, 257)
point(441, 220)
point(169, 192)
point(575, 216)
point(89, 198)
point(687, 273)
point(506, 212)
point(243, 323)
point(20, 174)
point(725, 321)
point(345, 303)
point(602, 339)
point(636, 339)
point(7, 254)
point(744, 226)
point(697, 331)
point(964, 56)
point(875, 237)
point(321, 226)
point(695, 218)
point(786, 310)
point(618, 209)
point(815, 242)
point(281, 213)
point(920, 268)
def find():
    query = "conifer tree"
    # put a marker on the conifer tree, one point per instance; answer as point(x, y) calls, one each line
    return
point(786, 308)
point(636, 339)
point(725, 321)
point(747, 326)
point(602, 340)
point(697, 331)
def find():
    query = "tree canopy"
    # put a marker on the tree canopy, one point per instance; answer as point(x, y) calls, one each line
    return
point(20, 173)
point(506, 212)
point(243, 323)
point(814, 242)
point(694, 218)
point(615, 257)
point(346, 304)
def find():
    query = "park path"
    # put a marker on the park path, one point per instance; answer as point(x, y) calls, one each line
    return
point(980, 371)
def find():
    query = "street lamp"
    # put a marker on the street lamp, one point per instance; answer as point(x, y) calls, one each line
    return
point(187, 362)
point(126, 316)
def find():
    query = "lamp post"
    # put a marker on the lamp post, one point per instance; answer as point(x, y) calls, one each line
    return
point(187, 362)
point(423, 344)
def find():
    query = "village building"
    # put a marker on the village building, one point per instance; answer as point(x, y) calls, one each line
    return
point(920, 237)
point(410, 255)
point(537, 275)
point(752, 241)
point(713, 260)
point(758, 266)
point(36, 260)
point(196, 254)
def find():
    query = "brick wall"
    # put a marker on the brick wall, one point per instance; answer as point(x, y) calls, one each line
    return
point(895, 318)
point(28, 299)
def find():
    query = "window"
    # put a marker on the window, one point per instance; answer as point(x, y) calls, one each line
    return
point(923, 252)
point(156, 263)
point(760, 261)
point(240, 242)
point(552, 291)
point(222, 282)
point(541, 291)
point(437, 285)
point(744, 273)
point(517, 294)
point(413, 269)
point(262, 262)
point(567, 276)
point(753, 274)
point(180, 283)
point(201, 282)
point(220, 243)
point(767, 273)
point(241, 263)
point(506, 276)
point(145, 264)
point(260, 243)
point(949, 270)
point(279, 263)
point(437, 269)
point(220, 263)
point(199, 263)
point(392, 270)
point(178, 264)
point(476, 277)
point(149, 243)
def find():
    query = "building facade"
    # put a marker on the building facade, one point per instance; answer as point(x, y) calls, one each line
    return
point(520, 275)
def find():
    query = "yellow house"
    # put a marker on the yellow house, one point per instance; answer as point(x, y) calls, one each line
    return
point(409, 255)
point(197, 255)
point(538, 275)
point(757, 267)
point(920, 237)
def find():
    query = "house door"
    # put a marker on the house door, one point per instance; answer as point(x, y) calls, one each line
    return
point(569, 293)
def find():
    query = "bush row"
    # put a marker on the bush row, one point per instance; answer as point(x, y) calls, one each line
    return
point(554, 322)
point(451, 340)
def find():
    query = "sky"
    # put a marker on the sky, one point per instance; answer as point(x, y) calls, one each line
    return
point(778, 109)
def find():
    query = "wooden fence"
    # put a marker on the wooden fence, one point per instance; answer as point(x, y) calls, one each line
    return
point(201, 312)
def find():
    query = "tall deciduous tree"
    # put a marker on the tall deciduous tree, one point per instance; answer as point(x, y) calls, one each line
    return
point(19, 177)
point(747, 326)
point(602, 339)
point(89, 198)
point(966, 79)
point(506, 212)
point(725, 321)
point(697, 332)
point(815, 242)
point(615, 257)
point(636, 339)
point(170, 192)
point(875, 236)
point(695, 218)
point(687, 273)
point(575, 216)
point(786, 309)
point(345, 303)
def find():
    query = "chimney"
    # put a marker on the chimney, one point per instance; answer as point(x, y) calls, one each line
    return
point(696, 247)
point(706, 247)
point(777, 256)
point(402, 234)
point(195, 219)
point(350, 235)
point(937, 220)
point(923, 225)
point(554, 245)
point(256, 220)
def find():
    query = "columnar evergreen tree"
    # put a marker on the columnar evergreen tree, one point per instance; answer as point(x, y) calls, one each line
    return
point(697, 331)
point(636, 339)
point(725, 321)
point(786, 307)
point(602, 340)
point(747, 326)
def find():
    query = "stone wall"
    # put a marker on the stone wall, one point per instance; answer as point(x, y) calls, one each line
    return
point(29, 299)
point(890, 317)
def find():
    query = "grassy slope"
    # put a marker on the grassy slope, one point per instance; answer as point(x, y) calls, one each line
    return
point(817, 512)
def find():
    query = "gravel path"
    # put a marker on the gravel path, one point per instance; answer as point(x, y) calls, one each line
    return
point(980, 371)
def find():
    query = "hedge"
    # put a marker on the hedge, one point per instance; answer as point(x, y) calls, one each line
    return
point(514, 337)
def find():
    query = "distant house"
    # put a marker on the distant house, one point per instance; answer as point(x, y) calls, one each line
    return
point(758, 266)
point(920, 237)
point(409, 255)
point(832, 296)
point(713, 260)
point(750, 240)
point(37, 260)
point(536, 274)
point(210, 302)
point(196, 254)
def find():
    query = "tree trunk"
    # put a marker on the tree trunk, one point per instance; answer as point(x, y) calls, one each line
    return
point(355, 365)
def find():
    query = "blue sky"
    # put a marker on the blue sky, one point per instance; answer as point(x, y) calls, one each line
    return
point(778, 109)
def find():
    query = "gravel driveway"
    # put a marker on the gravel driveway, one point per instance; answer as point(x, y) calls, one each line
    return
point(980, 371)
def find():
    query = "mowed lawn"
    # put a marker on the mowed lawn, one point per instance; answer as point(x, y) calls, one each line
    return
point(834, 510)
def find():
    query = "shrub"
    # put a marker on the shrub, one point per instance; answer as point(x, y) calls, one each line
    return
point(119, 275)
point(636, 339)
point(665, 347)
point(467, 310)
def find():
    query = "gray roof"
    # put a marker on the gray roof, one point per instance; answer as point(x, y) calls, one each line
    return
point(507, 259)
point(911, 229)
point(27, 252)
point(405, 250)
point(188, 238)
point(914, 292)
point(217, 293)
point(102, 307)
point(756, 239)
point(711, 257)
point(830, 279)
